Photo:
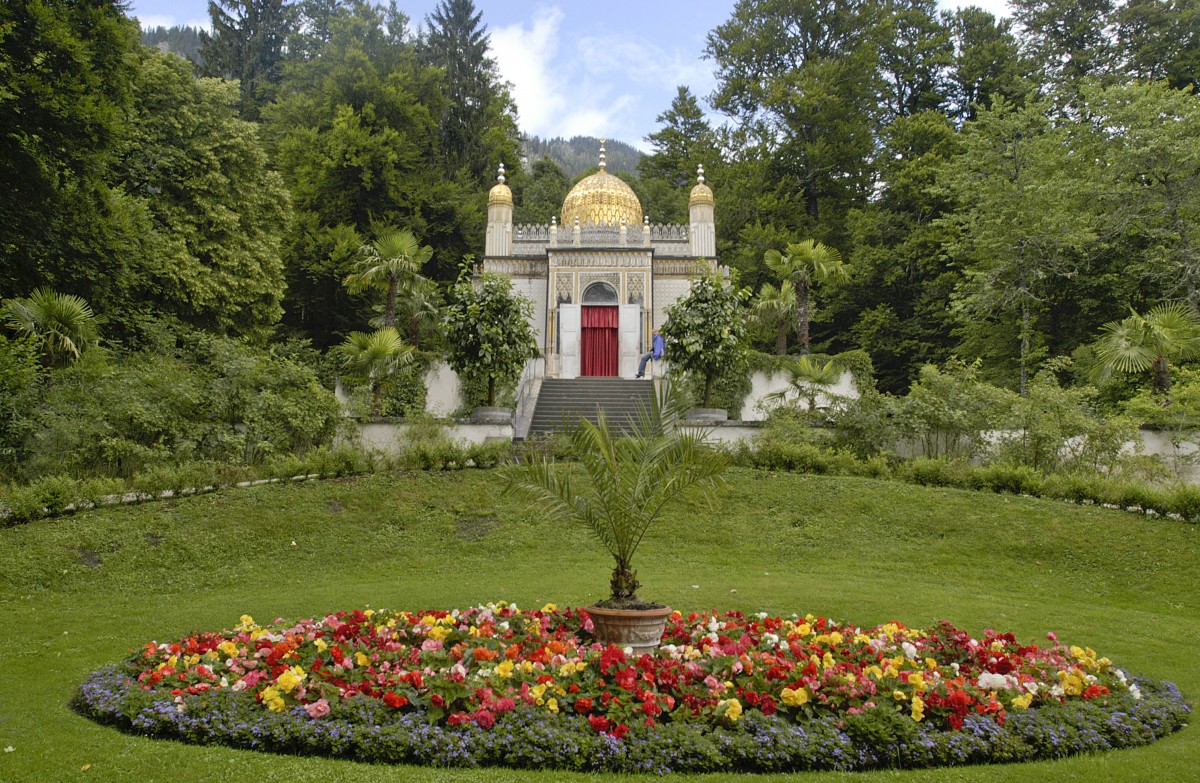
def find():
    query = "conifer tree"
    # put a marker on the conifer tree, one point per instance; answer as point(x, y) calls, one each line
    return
point(247, 44)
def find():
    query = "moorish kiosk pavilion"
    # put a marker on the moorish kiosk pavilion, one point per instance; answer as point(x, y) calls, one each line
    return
point(602, 277)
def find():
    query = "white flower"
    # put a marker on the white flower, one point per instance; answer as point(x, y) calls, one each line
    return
point(990, 681)
point(1057, 691)
point(713, 626)
point(910, 651)
point(1135, 692)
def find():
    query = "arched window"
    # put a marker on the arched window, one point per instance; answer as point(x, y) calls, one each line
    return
point(600, 294)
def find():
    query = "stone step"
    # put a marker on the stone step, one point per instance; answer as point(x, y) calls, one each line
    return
point(565, 401)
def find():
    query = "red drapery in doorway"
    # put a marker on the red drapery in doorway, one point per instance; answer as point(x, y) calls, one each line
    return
point(599, 340)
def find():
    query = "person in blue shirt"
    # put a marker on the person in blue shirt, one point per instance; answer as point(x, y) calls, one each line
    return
point(656, 352)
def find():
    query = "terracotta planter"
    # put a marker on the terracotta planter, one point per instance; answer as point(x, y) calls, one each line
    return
point(641, 629)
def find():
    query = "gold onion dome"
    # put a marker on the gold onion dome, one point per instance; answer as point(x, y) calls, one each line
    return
point(602, 198)
point(500, 194)
point(701, 194)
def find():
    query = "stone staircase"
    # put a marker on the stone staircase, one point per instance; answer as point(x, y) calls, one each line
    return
point(562, 401)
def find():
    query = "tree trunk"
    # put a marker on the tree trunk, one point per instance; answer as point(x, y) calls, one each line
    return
point(624, 584)
point(1025, 321)
point(389, 315)
point(802, 315)
point(708, 385)
point(781, 338)
point(377, 399)
point(1162, 379)
point(491, 391)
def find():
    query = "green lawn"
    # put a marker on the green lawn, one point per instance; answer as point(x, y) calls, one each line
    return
point(79, 592)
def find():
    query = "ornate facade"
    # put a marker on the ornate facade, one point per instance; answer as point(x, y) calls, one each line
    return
point(602, 278)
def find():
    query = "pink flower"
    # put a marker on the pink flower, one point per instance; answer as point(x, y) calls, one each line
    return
point(431, 645)
point(485, 719)
point(318, 709)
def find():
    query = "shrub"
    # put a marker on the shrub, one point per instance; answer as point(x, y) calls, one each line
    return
point(935, 472)
point(1185, 501)
point(1013, 479)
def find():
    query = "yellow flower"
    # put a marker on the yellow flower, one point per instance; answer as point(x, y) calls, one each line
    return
point(827, 661)
point(527, 667)
point(1072, 682)
point(1023, 702)
point(362, 659)
point(247, 623)
point(369, 613)
point(229, 648)
point(212, 655)
point(918, 682)
point(835, 638)
point(552, 705)
point(794, 698)
point(549, 608)
point(439, 632)
point(899, 695)
point(930, 664)
point(918, 708)
point(505, 669)
point(538, 691)
point(320, 645)
point(804, 629)
point(271, 698)
point(191, 660)
point(291, 678)
point(732, 709)
point(874, 671)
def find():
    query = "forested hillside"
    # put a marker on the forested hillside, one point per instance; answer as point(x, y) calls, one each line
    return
point(578, 153)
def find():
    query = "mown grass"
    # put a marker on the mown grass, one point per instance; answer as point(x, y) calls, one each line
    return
point(79, 592)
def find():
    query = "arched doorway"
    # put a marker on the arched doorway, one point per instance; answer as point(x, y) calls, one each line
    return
point(599, 321)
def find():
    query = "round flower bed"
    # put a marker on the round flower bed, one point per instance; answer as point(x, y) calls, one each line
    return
point(493, 685)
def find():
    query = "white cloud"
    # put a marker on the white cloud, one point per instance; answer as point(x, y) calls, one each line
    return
point(525, 57)
point(643, 62)
point(156, 20)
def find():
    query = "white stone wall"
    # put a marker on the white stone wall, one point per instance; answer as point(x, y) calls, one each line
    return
point(534, 289)
point(443, 390)
point(764, 384)
point(389, 438)
point(667, 291)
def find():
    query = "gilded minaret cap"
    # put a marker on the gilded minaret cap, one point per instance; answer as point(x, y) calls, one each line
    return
point(500, 194)
point(701, 194)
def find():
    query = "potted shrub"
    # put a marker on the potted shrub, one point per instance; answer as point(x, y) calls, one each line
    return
point(627, 480)
point(488, 334)
point(706, 335)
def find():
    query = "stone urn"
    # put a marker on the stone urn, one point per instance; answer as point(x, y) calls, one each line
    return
point(708, 415)
point(486, 414)
point(641, 629)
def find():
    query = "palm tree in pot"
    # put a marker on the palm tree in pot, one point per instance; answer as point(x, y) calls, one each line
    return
point(628, 479)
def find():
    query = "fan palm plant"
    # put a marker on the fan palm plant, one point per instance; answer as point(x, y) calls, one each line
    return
point(805, 264)
point(375, 359)
point(63, 324)
point(393, 262)
point(775, 308)
point(628, 479)
point(807, 379)
point(1149, 342)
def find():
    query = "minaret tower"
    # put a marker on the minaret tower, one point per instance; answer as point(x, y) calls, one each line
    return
point(703, 234)
point(500, 217)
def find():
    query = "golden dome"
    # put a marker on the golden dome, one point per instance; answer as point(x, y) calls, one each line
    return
point(500, 194)
point(601, 198)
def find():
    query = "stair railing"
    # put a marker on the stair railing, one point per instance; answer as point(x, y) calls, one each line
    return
point(527, 394)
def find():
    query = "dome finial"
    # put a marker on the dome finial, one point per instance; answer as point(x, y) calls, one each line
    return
point(700, 173)
point(500, 173)
point(602, 162)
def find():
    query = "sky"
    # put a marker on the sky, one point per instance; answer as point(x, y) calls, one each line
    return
point(576, 69)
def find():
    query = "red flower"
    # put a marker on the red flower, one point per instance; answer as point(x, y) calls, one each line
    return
point(599, 723)
point(620, 730)
point(458, 719)
point(394, 700)
point(583, 706)
point(437, 700)
point(485, 719)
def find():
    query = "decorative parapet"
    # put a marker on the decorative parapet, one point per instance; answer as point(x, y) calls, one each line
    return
point(514, 268)
point(532, 240)
point(688, 268)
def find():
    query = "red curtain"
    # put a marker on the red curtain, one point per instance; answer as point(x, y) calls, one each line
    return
point(598, 355)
